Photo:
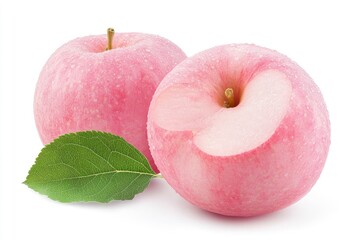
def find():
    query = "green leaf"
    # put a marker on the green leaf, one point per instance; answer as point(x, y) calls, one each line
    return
point(90, 166)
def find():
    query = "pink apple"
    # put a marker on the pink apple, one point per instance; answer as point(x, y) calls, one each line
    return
point(239, 130)
point(84, 87)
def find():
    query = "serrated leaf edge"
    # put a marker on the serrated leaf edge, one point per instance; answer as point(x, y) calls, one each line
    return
point(154, 175)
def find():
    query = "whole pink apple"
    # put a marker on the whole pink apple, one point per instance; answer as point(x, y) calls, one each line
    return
point(83, 86)
point(239, 130)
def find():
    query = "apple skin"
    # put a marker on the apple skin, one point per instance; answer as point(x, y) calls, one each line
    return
point(266, 178)
point(83, 87)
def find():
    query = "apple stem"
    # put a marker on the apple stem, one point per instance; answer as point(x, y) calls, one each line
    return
point(110, 36)
point(229, 98)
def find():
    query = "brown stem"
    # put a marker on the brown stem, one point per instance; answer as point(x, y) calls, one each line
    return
point(110, 36)
point(229, 98)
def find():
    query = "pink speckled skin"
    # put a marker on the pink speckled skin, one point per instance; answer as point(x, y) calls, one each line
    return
point(267, 178)
point(84, 87)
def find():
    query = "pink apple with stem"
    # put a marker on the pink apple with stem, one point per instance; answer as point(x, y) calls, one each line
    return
point(103, 83)
point(239, 130)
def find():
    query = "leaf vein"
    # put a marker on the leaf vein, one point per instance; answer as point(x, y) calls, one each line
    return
point(100, 173)
point(87, 148)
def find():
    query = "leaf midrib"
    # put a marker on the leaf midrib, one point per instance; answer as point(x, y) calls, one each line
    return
point(97, 174)
point(111, 152)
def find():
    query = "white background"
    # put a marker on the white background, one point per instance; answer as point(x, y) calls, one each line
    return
point(322, 36)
